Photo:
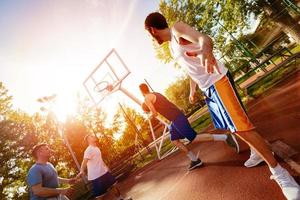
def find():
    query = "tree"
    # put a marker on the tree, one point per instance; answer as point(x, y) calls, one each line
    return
point(277, 11)
point(178, 93)
point(19, 132)
point(5, 100)
point(225, 21)
point(136, 127)
point(95, 122)
point(18, 136)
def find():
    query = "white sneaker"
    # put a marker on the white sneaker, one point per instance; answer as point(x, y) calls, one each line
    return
point(288, 185)
point(253, 160)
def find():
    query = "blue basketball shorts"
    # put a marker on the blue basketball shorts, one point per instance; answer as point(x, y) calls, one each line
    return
point(225, 107)
point(102, 184)
point(180, 128)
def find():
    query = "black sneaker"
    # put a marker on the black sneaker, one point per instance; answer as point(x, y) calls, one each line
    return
point(195, 164)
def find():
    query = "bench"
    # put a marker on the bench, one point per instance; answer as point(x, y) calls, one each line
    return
point(283, 63)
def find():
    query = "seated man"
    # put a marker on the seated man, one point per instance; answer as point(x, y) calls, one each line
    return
point(42, 177)
point(180, 127)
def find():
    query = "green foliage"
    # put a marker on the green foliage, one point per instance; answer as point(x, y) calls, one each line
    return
point(136, 125)
point(5, 100)
point(210, 17)
point(178, 93)
point(226, 22)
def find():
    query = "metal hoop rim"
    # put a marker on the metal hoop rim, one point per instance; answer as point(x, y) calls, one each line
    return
point(96, 88)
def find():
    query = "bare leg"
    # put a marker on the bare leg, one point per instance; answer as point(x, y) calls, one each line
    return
point(181, 146)
point(254, 140)
point(203, 138)
point(116, 192)
point(99, 198)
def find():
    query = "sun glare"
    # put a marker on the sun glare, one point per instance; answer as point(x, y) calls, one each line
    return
point(63, 107)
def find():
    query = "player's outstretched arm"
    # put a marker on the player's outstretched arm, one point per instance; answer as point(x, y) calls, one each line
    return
point(82, 168)
point(40, 191)
point(204, 53)
point(187, 32)
point(66, 180)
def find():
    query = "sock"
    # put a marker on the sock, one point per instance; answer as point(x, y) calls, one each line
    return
point(219, 137)
point(276, 169)
point(252, 152)
point(192, 156)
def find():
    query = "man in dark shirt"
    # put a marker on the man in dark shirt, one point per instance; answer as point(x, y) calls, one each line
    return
point(180, 127)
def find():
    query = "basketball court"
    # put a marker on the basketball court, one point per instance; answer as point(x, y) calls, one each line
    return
point(276, 115)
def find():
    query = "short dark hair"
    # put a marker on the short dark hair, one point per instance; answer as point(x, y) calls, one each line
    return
point(144, 88)
point(36, 148)
point(86, 137)
point(156, 20)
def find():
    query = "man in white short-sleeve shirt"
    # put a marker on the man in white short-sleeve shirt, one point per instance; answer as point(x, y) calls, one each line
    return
point(95, 165)
point(97, 170)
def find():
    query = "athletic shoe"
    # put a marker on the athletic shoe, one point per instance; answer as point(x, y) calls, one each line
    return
point(195, 164)
point(288, 185)
point(232, 142)
point(253, 160)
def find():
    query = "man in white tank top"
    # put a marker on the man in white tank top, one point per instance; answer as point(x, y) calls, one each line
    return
point(193, 50)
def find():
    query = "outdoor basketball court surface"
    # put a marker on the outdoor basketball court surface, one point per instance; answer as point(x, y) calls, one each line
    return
point(276, 115)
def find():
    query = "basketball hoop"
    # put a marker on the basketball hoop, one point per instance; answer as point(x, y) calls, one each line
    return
point(107, 78)
point(102, 86)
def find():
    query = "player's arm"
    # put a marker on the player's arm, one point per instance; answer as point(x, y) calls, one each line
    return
point(187, 32)
point(82, 168)
point(149, 103)
point(66, 180)
point(204, 53)
point(40, 191)
point(193, 85)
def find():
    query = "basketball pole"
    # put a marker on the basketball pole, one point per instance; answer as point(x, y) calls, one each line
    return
point(137, 132)
point(158, 148)
point(115, 78)
point(131, 96)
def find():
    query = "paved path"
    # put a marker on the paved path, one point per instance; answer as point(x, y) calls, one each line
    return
point(276, 115)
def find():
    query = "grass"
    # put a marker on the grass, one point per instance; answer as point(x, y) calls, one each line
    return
point(270, 80)
point(296, 49)
point(201, 123)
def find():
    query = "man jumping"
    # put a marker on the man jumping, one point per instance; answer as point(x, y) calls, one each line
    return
point(180, 127)
point(97, 171)
point(193, 50)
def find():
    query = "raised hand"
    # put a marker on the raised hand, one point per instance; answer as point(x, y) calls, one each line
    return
point(207, 60)
point(192, 99)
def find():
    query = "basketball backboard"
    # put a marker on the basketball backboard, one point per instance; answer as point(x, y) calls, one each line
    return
point(110, 71)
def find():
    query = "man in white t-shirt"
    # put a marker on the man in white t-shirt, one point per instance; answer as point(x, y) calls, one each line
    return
point(97, 170)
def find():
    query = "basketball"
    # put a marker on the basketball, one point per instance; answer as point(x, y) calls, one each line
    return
point(109, 87)
point(145, 108)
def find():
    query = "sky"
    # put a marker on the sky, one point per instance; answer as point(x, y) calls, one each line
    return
point(50, 47)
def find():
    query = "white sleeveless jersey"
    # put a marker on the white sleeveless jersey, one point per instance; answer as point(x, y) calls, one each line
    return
point(195, 70)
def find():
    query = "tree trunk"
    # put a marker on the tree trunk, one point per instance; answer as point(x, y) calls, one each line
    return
point(279, 15)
